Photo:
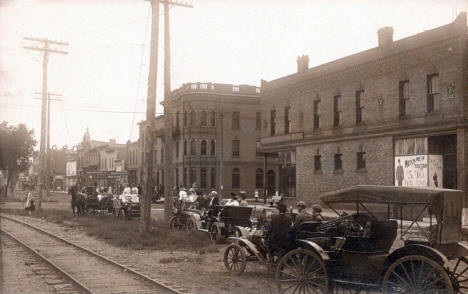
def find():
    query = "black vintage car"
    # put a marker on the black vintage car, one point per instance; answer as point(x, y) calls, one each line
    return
point(93, 203)
point(357, 251)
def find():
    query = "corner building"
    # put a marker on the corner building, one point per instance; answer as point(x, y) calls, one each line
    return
point(391, 115)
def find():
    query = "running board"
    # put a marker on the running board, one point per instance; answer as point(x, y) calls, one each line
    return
point(355, 283)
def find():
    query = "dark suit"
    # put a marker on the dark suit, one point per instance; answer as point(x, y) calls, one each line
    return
point(278, 236)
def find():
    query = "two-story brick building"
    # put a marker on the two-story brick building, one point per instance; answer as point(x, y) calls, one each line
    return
point(391, 115)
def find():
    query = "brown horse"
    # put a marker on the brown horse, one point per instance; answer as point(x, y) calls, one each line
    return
point(78, 201)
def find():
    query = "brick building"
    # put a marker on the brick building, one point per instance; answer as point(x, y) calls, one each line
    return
point(132, 159)
point(390, 115)
point(214, 133)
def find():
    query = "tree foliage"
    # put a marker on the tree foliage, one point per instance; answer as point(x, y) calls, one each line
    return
point(16, 148)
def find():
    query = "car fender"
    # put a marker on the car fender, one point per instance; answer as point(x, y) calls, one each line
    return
point(416, 249)
point(316, 248)
point(250, 245)
point(243, 230)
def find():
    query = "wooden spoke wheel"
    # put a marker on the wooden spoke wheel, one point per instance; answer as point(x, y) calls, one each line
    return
point(122, 214)
point(191, 225)
point(459, 275)
point(418, 275)
point(235, 259)
point(214, 234)
point(174, 224)
point(301, 271)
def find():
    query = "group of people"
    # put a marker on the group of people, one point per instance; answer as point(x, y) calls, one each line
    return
point(237, 200)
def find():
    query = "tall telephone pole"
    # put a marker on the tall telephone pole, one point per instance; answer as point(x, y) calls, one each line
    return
point(46, 50)
point(48, 138)
point(169, 182)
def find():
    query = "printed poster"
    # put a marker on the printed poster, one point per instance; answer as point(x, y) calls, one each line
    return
point(436, 168)
point(411, 171)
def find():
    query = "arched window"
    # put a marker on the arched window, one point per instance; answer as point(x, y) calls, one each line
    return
point(203, 118)
point(270, 182)
point(185, 147)
point(213, 118)
point(193, 148)
point(203, 147)
point(213, 147)
point(192, 118)
point(235, 178)
point(259, 178)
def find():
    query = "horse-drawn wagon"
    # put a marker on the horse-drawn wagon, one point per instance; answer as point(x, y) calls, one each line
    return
point(370, 250)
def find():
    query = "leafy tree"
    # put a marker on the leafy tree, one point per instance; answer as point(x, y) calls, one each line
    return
point(16, 148)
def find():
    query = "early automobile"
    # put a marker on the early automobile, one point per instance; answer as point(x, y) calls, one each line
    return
point(226, 221)
point(396, 240)
point(126, 206)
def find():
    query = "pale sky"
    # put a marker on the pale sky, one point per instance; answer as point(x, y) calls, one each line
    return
point(222, 41)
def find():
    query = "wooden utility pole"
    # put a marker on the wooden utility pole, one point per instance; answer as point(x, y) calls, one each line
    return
point(45, 59)
point(168, 179)
point(150, 118)
point(145, 217)
point(47, 183)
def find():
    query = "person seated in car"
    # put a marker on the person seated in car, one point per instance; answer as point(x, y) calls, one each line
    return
point(317, 213)
point(302, 214)
point(233, 201)
point(278, 237)
point(243, 201)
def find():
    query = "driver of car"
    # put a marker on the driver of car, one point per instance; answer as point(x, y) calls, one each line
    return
point(278, 237)
point(302, 214)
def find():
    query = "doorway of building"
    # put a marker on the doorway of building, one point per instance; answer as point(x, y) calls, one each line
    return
point(446, 146)
point(270, 182)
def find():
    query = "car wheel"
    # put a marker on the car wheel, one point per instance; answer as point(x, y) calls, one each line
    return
point(301, 270)
point(191, 225)
point(214, 234)
point(235, 260)
point(173, 224)
point(416, 274)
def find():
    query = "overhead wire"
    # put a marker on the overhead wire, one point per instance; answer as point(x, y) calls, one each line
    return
point(140, 73)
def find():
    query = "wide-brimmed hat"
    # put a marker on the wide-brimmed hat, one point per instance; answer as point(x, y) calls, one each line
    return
point(301, 204)
point(317, 208)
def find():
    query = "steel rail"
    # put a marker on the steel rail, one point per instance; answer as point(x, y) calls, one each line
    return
point(49, 262)
point(140, 275)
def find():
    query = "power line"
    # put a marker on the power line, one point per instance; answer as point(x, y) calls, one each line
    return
point(80, 109)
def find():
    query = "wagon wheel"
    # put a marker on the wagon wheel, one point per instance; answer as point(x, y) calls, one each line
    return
point(234, 259)
point(191, 225)
point(122, 214)
point(173, 224)
point(459, 275)
point(301, 271)
point(214, 234)
point(416, 274)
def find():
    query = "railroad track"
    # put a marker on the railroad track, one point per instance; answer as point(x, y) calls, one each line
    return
point(87, 270)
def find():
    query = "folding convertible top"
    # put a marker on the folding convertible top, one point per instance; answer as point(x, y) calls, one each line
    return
point(388, 195)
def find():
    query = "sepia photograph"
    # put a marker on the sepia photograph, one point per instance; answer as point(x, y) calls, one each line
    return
point(233, 146)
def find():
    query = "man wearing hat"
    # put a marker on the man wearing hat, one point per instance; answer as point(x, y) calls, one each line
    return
point(302, 214)
point(317, 212)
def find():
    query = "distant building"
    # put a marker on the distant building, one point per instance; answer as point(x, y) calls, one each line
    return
point(390, 115)
point(132, 160)
point(100, 164)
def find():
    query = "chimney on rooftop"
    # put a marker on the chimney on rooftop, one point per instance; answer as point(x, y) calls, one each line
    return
point(385, 37)
point(302, 63)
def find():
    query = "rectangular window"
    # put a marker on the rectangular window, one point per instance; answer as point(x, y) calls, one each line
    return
point(316, 114)
point(177, 119)
point(184, 176)
point(185, 119)
point(203, 177)
point(155, 157)
point(361, 160)
point(177, 149)
point(235, 148)
point(162, 155)
point(287, 120)
point(317, 162)
point(213, 177)
point(258, 120)
point(193, 175)
point(338, 162)
point(176, 176)
point(432, 92)
point(273, 123)
point(359, 105)
point(403, 96)
point(235, 119)
point(336, 110)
